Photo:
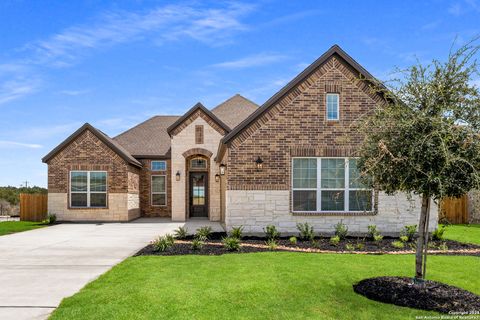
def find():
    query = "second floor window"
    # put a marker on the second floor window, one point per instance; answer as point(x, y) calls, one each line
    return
point(159, 165)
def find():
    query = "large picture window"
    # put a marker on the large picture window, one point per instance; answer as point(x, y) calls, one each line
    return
point(159, 190)
point(88, 189)
point(328, 185)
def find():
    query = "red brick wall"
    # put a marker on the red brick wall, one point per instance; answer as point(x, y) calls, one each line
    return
point(87, 152)
point(146, 207)
point(297, 126)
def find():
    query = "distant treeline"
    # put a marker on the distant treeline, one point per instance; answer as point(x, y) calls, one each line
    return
point(12, 194)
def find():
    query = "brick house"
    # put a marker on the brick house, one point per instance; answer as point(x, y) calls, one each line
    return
point(290, 160)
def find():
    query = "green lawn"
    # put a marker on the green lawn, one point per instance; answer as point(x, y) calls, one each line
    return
point(468, 233)
point(8, 227)
point(273, 285)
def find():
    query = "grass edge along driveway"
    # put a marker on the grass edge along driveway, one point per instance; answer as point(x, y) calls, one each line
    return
point(272, 285)
point(9, 227)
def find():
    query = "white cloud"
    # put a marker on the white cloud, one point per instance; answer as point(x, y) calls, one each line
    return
point(16, 88)
point(251, 61)
point(73, 92)
point(8, 144)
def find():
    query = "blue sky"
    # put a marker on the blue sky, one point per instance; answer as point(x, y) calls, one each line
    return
point(115, 64)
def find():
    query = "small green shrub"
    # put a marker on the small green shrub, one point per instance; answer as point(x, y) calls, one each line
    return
point(341, 230)
point(349, 247)
point(197, 244)
point(443, 246)
point(372, 231)
point(437, 234)
point(293, 240)
point(409, 232)
point(360, 246)
point(272, 244)
point(315, 244)
point(51, 218)
point(335, 240)
point(403, 238)
point(377, 238)
point(162, 243)
point(231, 243)
point(170, 238)
point(398, 244)
point(271, 232)
point(181, 233)
point(306, 231)
point(203, 233)
point(237, 232)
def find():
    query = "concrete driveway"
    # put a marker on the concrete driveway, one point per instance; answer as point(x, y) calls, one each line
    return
point(39, 268)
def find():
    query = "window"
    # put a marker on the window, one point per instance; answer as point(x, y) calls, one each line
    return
point(328, 184)
point(88, 189)
point(159, 165)
point(159, 191)
point(199, 134)
point(332, 106)
point(198, 163)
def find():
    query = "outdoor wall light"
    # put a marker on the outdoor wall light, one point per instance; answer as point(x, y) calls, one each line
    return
point(222, 169)
point(177, 176)
point(259, 163)
point(217, 177)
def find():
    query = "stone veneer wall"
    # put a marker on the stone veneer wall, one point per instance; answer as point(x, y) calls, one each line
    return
point(254, 209)
point(183, 141)
point(87, 152)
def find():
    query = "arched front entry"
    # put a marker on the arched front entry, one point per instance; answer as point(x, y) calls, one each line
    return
point(197, 185)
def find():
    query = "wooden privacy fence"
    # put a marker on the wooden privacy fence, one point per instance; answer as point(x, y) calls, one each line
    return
point(33, 207)
point(455, 210)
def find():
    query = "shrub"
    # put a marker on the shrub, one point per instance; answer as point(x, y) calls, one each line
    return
point(404, 238)
point(409, 232)
point(398, 244)
point(341, 230)
point(197, 244)
point(272, 244)
point(231, 243)
point(377, 238)
point(372, 231)
point(293, 240)
point(335, 240)
point(271, 232)
point(349, 247)
point(443, 246)
point(51, 218)
point(181, 233)
point(306, 231)
point(203, 233)
point(162, 243)
point(315, 244)
point(170, 238)
point(437, 234)
point(237, 232)
point(360, 246)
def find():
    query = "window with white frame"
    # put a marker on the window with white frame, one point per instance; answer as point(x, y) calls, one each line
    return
point(159, 190)
point(328, 185)
point(88, 189)
point(333, 102)
point(159, 165)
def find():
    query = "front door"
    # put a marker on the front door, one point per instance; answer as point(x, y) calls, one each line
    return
point(198, 194)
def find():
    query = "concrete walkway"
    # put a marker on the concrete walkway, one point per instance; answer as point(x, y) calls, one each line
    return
point(39, 268)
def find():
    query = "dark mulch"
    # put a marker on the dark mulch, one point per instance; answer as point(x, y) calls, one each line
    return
point(214, 246)
point(435, 296)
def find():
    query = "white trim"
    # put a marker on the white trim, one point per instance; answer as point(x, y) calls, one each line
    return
point(164, 162)
point(338, 106)
point(319, 188)
point(88, 192)
point(152, 193)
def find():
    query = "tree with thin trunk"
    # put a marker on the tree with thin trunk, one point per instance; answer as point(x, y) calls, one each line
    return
point(425, 139)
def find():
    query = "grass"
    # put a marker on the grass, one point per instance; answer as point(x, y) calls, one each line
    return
point(9, 227)
point(467, 233)
point(273, 285)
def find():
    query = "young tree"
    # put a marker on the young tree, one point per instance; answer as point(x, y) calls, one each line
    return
point(425, 139)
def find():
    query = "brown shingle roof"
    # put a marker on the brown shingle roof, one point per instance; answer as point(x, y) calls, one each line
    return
point(234, 110)
point(149, 138)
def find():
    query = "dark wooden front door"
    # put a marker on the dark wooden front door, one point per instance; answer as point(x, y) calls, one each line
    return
point(198, 194)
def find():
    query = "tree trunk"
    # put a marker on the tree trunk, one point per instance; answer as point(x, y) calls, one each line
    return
point(422, 242)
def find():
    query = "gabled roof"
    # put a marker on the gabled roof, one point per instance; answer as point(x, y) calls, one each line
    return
point(149, 138)
point(112, 144)
point(234, 110)
point(190, 112)
point(334, 50)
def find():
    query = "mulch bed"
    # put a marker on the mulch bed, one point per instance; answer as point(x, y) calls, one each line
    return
point(214, 246)
point(435, 296)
